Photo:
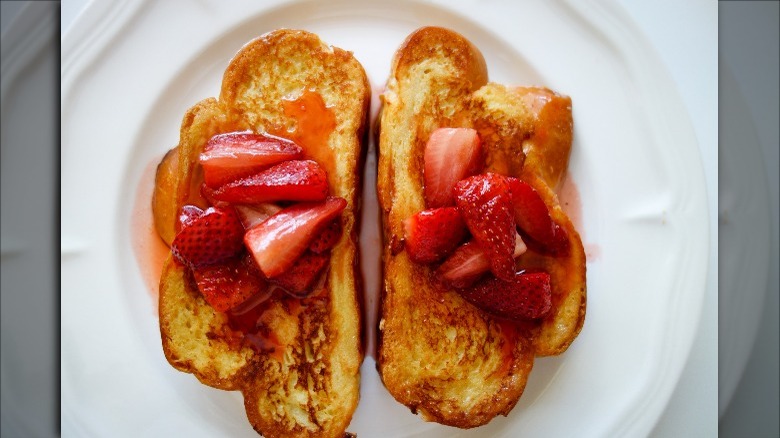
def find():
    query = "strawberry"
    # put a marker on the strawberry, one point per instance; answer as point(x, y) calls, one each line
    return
point(486, 206)
point(187, 214)
point(431, 235)
point(277, 242)
point(210, 238)
point(299, 180)
point(328, 238)
point(526, 296)
point(252, 215)
point(467, 264)
point(230, 283)
point(299, 279)
point(227, 157)
point(451, 154)
point(533, 218)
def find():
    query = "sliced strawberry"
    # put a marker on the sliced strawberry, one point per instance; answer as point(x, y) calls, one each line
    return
point(282, 238)
point(431, 235)
point(299, 180)
point(299, 280)
point(328, 238)
point(533, 218)
point(187, 214)
point(486, 206)
point(227, 157)
point(526, 296)
point(252, 215)
point(210, 238)
point(467, 264)
point(228, 284)
point(451, 154)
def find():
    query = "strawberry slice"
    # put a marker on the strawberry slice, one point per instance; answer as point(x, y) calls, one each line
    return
point(486, 206)
point(276, 243)
point(228, 284)
point(431, 235)
point(526, 296)
point(533, 218)
point(467, 264)
point(299, 280)
point(298, 180)
point(227, 157)
point(451, 154)
point(328, 238)
point(210, 238)
point(252, 215)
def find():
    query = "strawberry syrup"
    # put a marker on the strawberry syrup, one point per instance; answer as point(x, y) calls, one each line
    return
point(150, 251)
point(571, 203)
point(314, 124)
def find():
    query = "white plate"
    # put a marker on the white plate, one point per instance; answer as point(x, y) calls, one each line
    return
point(131, 69)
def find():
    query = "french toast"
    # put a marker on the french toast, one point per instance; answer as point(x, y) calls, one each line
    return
point(448, 360)
point(299, 370)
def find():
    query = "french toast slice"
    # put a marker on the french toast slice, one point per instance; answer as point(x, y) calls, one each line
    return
point(290, 84)
point(439, 355)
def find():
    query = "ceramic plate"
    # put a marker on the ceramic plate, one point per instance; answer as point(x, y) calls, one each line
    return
point(635, 190)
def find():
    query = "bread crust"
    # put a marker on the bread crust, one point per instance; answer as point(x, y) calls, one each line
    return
point(442, 357)
point(309, 385)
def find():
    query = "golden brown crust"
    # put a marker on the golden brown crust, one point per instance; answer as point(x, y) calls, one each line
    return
point(309, 386)
point(439, 355)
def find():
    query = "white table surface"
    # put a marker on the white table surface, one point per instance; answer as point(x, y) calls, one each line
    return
point(685, 37)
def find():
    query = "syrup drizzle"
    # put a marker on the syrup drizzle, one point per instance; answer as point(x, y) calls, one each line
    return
point(314, 124)
point(149, 250)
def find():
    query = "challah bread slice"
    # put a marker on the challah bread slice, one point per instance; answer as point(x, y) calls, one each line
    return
point(283, 83)
point(442, 357)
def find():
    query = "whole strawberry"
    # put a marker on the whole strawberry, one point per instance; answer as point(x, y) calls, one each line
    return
point(526, 296)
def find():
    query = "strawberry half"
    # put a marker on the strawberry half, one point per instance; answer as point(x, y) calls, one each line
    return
point(533, 218)
point(210, 238)
point(227, 157)
point(451, 154)
point(328, 238)
point(277, 242)
point(526, 296)
point(299, 280)
point(486, 206)
point(298, 180)
point(467, 264)
point(230, 283)
point(431, 235)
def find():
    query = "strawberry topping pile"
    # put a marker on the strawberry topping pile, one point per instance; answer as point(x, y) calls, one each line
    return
point(475, 225)
point(271, 223)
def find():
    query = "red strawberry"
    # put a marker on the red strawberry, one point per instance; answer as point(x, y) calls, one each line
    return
point(227, 157)
point(534, 219)
point(486, 206)
point(228, 284)
point(299, 280)
point(431, 235)
point(299, 180)
point(212, 237)
point(187, 214)
point(281, 239)
point(526, 296)
point(328, 238)
point(252, 215)
point(451, 154)
point(467, 264)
